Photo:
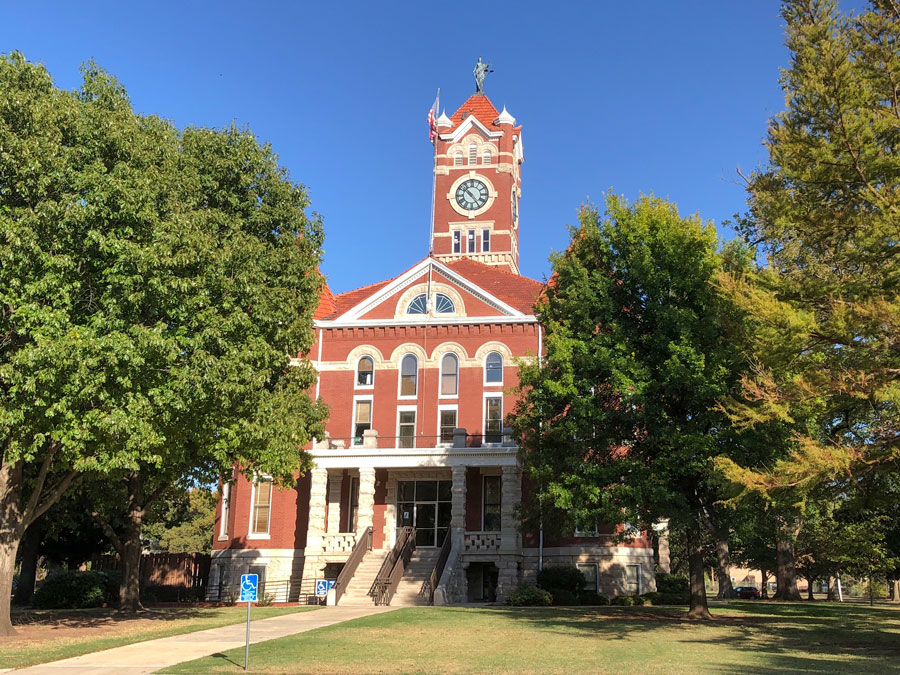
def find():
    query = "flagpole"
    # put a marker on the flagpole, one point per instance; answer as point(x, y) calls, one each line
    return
point(434, 143)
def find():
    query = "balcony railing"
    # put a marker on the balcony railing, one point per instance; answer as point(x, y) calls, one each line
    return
point(482, 542)
point(341, 542)
point(371, 439)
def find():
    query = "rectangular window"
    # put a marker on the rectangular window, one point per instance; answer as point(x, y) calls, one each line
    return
point(354, 504)
point(589, 571)
point(406, 432)
point(485, 241)
point(493, 419)
point(447, 424)
point(633, 579)
point(470, 241)
point(226, 510)
point(457, 241)
point(262, 506)
point(362, 420)
point(492, 495)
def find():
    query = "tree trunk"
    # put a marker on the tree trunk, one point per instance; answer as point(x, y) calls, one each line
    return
point(11, 530)
point(809, 590)
point(723, 567)
point(764, 591)
point(895, 590)
point(31, 544)
point(832, 589)
point(130, 589)
point(786, 571)
point(699, 608)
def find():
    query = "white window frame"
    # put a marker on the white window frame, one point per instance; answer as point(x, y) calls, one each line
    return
point(458, 158)
point(484, 369)
point(441, 377)
point(486, 157)
point(589, 533)
point(407, 397)
point(471, 242)
point(356, 384)
point(250, 533)
point(457, 241)
point(485, 239)
point(639, 578)
point(454, 407)
point(485, 396)
point(357, 399)
point(225, 516)
point(412, 409)
point(596, 588)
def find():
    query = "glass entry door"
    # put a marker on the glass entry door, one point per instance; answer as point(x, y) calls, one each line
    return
point(425, 505)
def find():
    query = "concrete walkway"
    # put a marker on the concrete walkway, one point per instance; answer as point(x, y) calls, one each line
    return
point(146, 657)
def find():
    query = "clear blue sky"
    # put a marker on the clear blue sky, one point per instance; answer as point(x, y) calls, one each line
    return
point(654, 96)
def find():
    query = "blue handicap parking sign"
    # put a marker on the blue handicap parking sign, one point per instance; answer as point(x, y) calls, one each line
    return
point(323, 586)
point(249, 584)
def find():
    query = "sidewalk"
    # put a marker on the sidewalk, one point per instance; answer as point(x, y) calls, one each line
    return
point(146, 657)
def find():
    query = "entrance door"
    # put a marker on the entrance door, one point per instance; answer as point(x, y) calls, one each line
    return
point(425, 505)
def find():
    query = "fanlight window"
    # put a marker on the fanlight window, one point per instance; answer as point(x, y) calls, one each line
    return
point(458, 158)
point(365, 372)
point(486, 157)
point(442, 305)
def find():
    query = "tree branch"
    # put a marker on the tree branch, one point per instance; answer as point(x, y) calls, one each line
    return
point(52, 498)
point(109, 532)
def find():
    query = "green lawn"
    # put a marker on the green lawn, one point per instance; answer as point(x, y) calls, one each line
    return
point(50, 635)
point(745, 637)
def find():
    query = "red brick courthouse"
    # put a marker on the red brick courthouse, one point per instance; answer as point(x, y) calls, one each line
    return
point(418, 371)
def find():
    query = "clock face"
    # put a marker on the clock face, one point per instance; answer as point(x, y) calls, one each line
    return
point(472, 194)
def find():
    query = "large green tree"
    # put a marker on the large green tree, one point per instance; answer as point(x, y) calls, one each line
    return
point(621, 417)
point(826, 217)
point(153, 285)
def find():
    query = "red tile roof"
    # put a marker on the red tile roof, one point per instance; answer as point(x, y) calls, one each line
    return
point(326, 302)
point(515, 290)
point(481, 107)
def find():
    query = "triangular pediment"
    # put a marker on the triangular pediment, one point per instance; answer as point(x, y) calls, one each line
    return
point(468, 124)
point(388, 303)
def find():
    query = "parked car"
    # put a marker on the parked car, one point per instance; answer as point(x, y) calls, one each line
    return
point(747, 592)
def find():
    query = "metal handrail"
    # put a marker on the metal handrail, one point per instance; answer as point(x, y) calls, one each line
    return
point(392, 568)
point(438, 570)
point(360, 548)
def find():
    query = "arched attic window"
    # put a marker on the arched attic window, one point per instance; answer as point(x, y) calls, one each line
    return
point(458, 158)
point(486, 157)
point(449, 375)
point(365, 372)
point(442, 304)
point(473, 153)
point(493, 368)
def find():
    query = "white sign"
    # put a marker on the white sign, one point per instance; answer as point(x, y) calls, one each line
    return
point(323, 586)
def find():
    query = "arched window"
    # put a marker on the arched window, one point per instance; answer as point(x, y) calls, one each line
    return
point(365, 372)
point(493, 369)
point(409, 367)
point(443, 304)
point(449, 375)
point(473, 153)
point(458, 158)
point(486, 157)
point(419, 305)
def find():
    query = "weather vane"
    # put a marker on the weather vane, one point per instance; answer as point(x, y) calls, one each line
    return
point(481, 69)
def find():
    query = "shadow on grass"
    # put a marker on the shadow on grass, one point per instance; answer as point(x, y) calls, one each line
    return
point(224, 657)
point(787, 637)
point(101, 616)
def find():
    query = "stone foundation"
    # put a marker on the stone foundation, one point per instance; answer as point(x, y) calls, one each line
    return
point(283, 569)
point(611, 564)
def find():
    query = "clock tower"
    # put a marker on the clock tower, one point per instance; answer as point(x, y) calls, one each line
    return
point(477, 177)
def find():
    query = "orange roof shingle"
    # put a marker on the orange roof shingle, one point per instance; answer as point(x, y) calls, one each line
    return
point(481, 107)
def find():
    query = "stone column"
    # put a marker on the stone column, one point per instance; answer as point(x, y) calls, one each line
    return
point(509, 500)
point(335, 481)
point(366, 511)
point(458, 507)
point(662, 541)
point(317, 492)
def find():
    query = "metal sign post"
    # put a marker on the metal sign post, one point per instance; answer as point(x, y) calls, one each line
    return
point(249, 586)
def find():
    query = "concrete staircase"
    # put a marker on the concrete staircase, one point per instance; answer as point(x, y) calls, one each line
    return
point(409, 590)
point(357, 592)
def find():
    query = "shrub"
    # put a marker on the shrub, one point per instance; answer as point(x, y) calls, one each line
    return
point(591, 598)
point(561, 578)
point(529, 596)
point(622, 600)
point(266, 600)
point(672, 583)
point(652, 598)
point(76, 590)
point(561, 596)
point(683, 598)
point(638, 600)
